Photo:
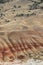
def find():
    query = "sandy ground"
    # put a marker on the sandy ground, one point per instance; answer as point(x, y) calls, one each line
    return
point(29, 62)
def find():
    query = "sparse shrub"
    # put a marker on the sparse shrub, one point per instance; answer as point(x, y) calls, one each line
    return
point(34, 6)
point(41, 7)
point(14, 10)
point(19, 6)
point(4, 1)
point(19, 15)
point(15, 6)
point(7, 21)
point(27, 14)
point(1, 14)
point(41, 0)
point(22, 15)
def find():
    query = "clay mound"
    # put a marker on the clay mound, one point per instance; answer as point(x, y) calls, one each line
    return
point(21, 45)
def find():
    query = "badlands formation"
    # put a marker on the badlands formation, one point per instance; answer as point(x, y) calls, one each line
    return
point(21, 30)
